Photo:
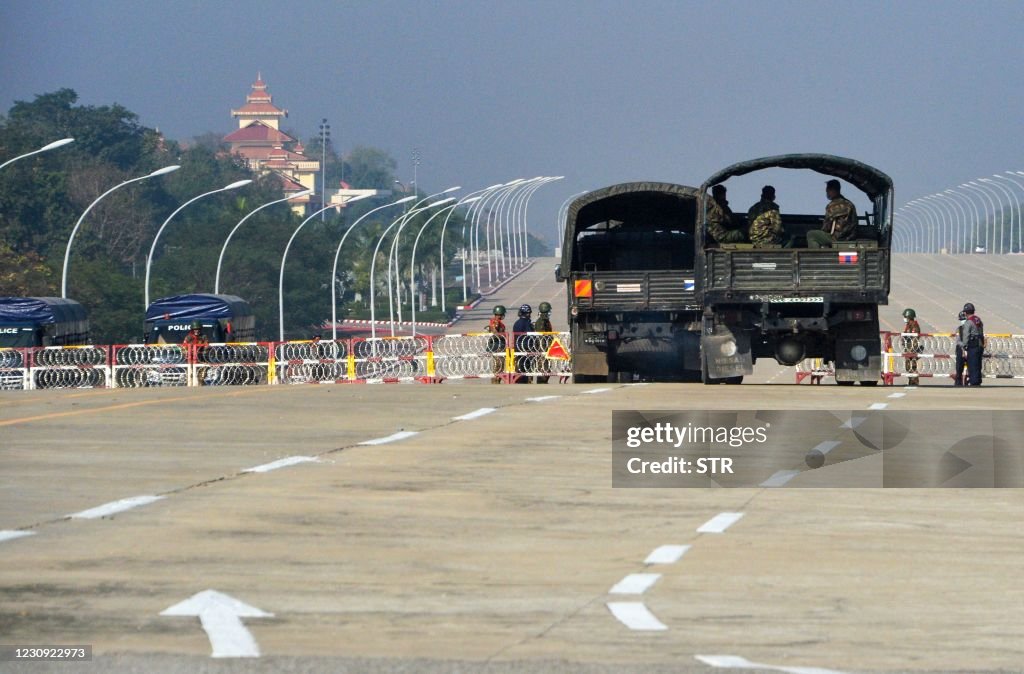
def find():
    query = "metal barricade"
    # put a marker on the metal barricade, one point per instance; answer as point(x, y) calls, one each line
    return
point(532, 356)
point(391, 359)
point(14, 370)
point(231, 364)
point(471, 356)
point(312, 362)
point(814, 369)
point(934, 355)
point(70, 367)
point(144, 365)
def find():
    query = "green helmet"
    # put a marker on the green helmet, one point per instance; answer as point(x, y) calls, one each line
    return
point(499, 310)
point(544, 307)
point(196, 325)
point(909, 314)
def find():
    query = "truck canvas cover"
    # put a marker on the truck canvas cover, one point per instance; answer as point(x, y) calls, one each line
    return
point(39, 310)
point(197, 307)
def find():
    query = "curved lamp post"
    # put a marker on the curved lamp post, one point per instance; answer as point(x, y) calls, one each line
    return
point(1002, 228)
point(337, 253)
point(373, 263)
point(415, 243)
point(563, 213)
point(524, 229)
point(961, 219)
point(971, 239)
point(74, 230)
point(284, 258)
point(49, 146)
point(1016, 201)
point(152, 249)
point(224, 248)
point(471, 197)
point(990, 223)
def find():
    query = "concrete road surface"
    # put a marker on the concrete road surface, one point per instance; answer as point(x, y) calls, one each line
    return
point(471, 527)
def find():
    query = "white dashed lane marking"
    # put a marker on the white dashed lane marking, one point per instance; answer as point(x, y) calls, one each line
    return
point(897, 395)
point(280, 463)
point(394, 437)
point(475, 414)
point(780, 478)
point(114, 507)
point(666, 554)
point(596, 390)
point(635, 583)
point(540, 399)
point(737, 662)
point(635, 616)
point(11, 534)
point(719, 523)
point(878, 406)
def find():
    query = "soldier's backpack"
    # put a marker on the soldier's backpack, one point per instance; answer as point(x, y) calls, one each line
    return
point(971, 333)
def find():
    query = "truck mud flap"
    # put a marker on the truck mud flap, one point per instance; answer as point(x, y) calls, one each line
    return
point(727, 353)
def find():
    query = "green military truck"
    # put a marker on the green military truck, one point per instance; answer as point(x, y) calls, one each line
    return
point(791, 303)
point(628, 261)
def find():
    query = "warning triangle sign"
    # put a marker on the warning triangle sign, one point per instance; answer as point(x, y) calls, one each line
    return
point(556, 351)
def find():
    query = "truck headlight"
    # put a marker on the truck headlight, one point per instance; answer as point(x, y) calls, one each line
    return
point(858, 353)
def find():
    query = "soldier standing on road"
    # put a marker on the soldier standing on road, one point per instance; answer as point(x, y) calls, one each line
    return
point(523, 325)
point(765, 221)
point(972, 334)
point(840, 219)
point(911, 344)
point(543, 324)
point(496, 344)
point(961, 354)
point(721, 223)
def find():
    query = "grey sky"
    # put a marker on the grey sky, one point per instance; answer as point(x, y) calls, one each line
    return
point(600, 92)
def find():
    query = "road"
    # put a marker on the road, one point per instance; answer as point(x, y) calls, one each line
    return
point(493, 542)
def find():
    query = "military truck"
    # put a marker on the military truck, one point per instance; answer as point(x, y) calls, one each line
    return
point(42, 321)
point(628, 263)
point(222, 318)
point(791, 303)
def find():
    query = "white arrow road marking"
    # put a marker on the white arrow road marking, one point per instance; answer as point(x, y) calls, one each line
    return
point(635, 616)
point(281, 463)
point(11, 534)
point(635, 583)
point(719, 523)
point(878, 406)
point(221, 615)
point(666, 554)
point(779, 478)
point(394, 437)
point(114, 507)
point(475, 414)
point(736, 662)
point(597, 390)
point(540, 399)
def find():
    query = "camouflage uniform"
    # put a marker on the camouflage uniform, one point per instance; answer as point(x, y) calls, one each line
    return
point(543, 324)
point(841, 219)
point(496, 345)
point(721, 224)
point(911, 345)
point(765, 223)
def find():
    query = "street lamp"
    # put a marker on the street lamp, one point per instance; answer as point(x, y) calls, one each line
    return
point(393, 252)
point(337, 253)
point(152, 249)
point(49, 146)
point(929, 221)
point(961, 221)
point(1002, 229)
point(1017, 201)
point(469, 198)
point(525, 209)
point(944, 211)
point(990, 233)
point(467, 243)
point(284, 258)
point(970, 240)
point(325, 134)
point(563, 212)
point(373, 264)
point(223, 249)
point(415, 298)
point(483, 212)
point(74, 230)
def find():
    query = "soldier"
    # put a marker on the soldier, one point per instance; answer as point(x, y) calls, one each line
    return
point(522, 326)
point(911, 344)
point(765, 221)
point(961, 354)
point(840, 219)
point(496, 344)
point(972, 335)
point(543, 324)
point(721, 223)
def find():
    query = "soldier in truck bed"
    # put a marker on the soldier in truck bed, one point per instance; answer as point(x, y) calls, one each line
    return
point(840, 219)
point(764, 220)
point(721, 223)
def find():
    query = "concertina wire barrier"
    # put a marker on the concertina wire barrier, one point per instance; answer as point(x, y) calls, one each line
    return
point(912, 356)
point(427, 359)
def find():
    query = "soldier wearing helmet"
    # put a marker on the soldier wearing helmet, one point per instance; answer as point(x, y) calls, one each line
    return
point(911, 344)
point(523, 325)
point(496, 344)
point(972, 335)
point(543, 324)
point(195, 336)
point(959, 377)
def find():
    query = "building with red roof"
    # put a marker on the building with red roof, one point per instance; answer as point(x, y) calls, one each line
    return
point(265, 148)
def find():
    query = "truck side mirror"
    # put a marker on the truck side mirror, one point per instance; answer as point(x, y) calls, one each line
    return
point(558, 274)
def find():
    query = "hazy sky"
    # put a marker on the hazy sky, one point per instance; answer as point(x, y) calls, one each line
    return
point(601, 92)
